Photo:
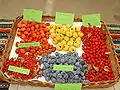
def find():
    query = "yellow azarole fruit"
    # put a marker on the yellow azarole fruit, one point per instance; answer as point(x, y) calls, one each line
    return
point(72, 39)
point(54, 41)
point(78, 39)
point(75, 35)
point(61, 36)
point(72, 49)
point(68, 25)
point(58, 37)
point(58, 31)
point(77, 28)
point(59, 47)
point(80, 34)
point(69, 33)
point(77, 45)
point(73, 30)
point(70, 43)
point(63, 42)
point(59, 26)
point(53, 35)
point(63, 30)
point(53, 26)
point(66, 48)
point(66, 38)
point(52, 31)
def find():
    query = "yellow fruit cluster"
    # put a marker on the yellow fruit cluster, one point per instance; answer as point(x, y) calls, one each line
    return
point(66, 37)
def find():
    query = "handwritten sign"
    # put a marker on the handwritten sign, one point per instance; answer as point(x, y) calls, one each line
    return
point(63, 67)
point(19, 70)
point(77, 86)
point(64, 18)
point(93, 19)
point(32, 15)
point(23, 45)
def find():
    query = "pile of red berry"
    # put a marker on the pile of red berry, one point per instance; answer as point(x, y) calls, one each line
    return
point(24, 61)
point(96, 54)
point(34, 32)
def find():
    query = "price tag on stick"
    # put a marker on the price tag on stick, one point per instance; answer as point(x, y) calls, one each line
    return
point(93, 19)
point(23, 45)
point(73, 86)
point(32, 15)
point(19, 70)
point(63, 67)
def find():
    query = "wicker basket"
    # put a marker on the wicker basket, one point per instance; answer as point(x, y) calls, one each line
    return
point(113, 60)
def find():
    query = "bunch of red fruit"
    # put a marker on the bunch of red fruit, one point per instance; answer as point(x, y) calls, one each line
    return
point(24, 61)
point(96, 54)
point(34, 32)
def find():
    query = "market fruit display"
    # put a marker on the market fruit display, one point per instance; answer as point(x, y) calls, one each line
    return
point(84, 48)
point(23, 61)
point(34, 32)
point(96, 54)
point(56, 76)
point(66, 37)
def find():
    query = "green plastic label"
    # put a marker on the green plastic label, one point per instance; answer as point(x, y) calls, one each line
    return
point(93, 19)
point(63, 67)
point(32, 15)
point(77, 86)
point(19, 70)
point(64, 18)
point(23, 45)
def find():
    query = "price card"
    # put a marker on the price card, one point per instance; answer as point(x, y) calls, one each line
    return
point(93, 19)
point(32, 15)
point(73, 86)
point(19, 70)
point(23, 45)
point(64, 18)
point(63, 67)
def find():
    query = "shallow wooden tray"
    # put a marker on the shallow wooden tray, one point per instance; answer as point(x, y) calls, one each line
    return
point(113, 59)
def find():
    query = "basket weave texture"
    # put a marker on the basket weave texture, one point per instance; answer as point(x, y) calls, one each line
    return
point(113, 59)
